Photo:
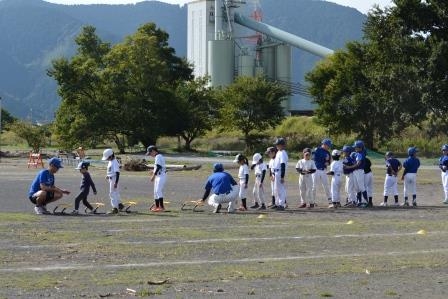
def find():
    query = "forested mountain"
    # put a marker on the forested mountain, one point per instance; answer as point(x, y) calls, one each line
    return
point(33, 32)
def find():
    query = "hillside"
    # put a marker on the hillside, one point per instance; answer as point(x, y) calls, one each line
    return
point(34, 32)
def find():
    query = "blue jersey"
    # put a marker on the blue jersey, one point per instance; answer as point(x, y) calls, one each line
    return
point(43, 177)
point(443, 161)
point(360, 158)
point(392, 166)
point(220, 183)
point(411, 164)
point(321, 158)
point(348, 161)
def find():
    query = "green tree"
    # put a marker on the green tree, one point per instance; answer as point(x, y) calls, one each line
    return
point(7, 118)
point(251, 105)
point(35, 136)
point(371, 88)
point(197, 109)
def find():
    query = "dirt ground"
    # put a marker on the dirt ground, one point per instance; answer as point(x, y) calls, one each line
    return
point(300, 253)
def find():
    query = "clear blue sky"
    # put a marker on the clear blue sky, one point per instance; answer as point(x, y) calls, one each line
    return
point(362, 5)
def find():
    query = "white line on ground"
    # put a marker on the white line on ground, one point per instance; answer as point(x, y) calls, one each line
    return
point(225, 261)
point(248, 239)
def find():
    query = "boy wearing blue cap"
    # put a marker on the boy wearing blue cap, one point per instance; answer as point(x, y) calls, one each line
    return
point(86, 184)
point(43, 190)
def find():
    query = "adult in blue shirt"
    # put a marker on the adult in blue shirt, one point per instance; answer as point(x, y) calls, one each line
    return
point(322, 159)
point(43, 190)
point(223, 189)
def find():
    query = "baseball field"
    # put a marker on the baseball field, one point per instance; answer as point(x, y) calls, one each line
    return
point(392, 252)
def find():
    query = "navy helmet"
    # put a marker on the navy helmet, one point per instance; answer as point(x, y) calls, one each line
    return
point(327, 142)
point(445, 147)
point(412, 150)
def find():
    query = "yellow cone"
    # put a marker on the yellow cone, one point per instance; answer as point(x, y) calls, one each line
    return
point(350, 222)
point(421, 232)
point(261, 216)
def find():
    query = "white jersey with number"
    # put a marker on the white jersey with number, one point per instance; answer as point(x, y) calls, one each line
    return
point(113, 167)
point(160, 160)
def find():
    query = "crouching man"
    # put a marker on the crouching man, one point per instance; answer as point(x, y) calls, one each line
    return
point(223, 189)
point(43, 189)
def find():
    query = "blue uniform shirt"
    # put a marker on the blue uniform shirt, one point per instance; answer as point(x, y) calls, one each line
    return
point(220, 183)
point(443, 161)
point(321, 157)
point(360, 157)
point(411, 164)
point(348, 161)
point(392, 164)
point(43, 177)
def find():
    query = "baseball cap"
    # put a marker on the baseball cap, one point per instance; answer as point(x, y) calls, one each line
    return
point(256, 158)
point(107, 153)
point(306, 150)
point(238, 157)
point(280, 141)
point(56, 162)
point(270, 149)
point(336, 152)
point(83, 165)
point(389, 154)
point(150, 149)
point(327, 142)
point(218, 167)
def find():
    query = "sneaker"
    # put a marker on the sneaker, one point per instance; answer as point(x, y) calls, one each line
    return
point(312, 205)
point(414, 203)
point(255, 206)
point(338, 204)
point(38, 210)
point(383, 204)
point(303, 205)
point(120, 206)
point(405, 204)
point(332, 206)
point(74, 212)
point(154, 209)
point(217, 209)
point(273, 206)
point(280, 208)
point(113, 211)
point(263, 207)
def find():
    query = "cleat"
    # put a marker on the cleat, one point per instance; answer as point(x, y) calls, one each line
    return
point(255, 206)
point(405, 204)
point(311, 205)
point(38, 210)
point(217, 209)
point(414, 203)
point(338, 204)
point(74, 212)
point(280, 208)
point(302, 206)
point(120, 206)
point(113, 211)
point(263, 207)
point(332, 206)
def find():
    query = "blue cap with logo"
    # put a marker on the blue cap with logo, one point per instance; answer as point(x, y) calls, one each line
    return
point(56, 162)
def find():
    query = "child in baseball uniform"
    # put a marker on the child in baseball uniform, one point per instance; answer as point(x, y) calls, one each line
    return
point(158, 177)
point(393, 166)
point(358, 173)
point(336, 171)
point(113, 176)
point(410, 167)
point(259, 168)
point(243, 176)
point(347, 150)
point(306, 167)
point(86, 184)
point(368, 181)
point(443, 165)
point(280, 164)
point(271, 152)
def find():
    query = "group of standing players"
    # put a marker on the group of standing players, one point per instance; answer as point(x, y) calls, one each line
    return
point(317, 165)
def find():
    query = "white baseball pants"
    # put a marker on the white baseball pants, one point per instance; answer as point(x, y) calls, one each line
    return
point(114, 193)
point(368, 182)
point(445, 184)
point(322, 177)
point(305, 188)
point(159, 183)
point(216, 199)
point(258, 191)
point(390, 185)
point(336, 184)
point(410, 184)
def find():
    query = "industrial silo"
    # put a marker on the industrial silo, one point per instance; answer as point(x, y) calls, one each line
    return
point(246, 65)
point(221, 62)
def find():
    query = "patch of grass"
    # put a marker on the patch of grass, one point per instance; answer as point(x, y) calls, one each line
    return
point(326, 294)
point(390, 293)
